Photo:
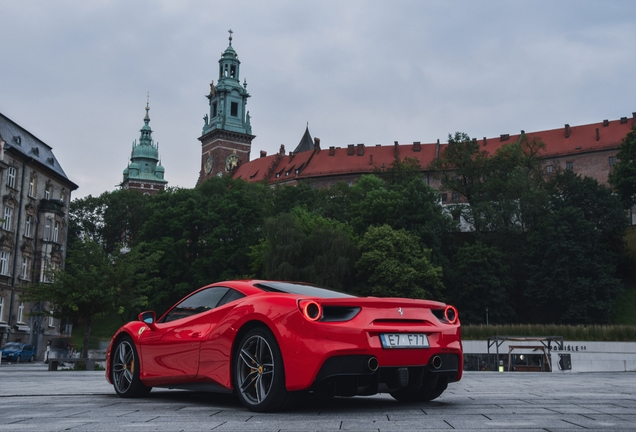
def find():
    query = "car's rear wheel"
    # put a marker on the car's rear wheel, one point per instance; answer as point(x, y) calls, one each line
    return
point(18, 359)
point(125, 370)
point(259, 375)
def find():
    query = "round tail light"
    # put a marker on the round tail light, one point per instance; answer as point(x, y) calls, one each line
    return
point(310, 309)
point(450, 313)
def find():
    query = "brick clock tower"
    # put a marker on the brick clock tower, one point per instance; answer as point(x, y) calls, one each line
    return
point(227, 137)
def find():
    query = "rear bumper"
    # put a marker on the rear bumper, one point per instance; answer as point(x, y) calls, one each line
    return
point(353, 375)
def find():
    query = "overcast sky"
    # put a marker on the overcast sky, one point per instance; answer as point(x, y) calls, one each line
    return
point(76, 73)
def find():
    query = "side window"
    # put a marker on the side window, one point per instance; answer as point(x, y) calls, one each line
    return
point(230, 297)
point(197, 303)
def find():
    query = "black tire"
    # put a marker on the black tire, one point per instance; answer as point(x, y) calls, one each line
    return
point(124, 367)
point(430, 390)
point(31, 358)
point(18, 359)
point(259, 374)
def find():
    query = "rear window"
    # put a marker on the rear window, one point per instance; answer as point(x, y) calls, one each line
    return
point(302, 289)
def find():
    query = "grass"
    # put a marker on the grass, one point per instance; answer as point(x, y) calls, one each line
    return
point(607, 333)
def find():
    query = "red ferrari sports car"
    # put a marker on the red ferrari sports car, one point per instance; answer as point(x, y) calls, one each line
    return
point(266, 341)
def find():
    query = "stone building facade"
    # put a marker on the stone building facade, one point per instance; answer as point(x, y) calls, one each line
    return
point(35, 193)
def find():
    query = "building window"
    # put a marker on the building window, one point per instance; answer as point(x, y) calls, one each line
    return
point(549, 169)
point(63, 196)
point(8, 215)
point(51, 323)
point(569, 166)
point(444, 197)
point(234, 109)
point(32, 187)
point(612, 160)
point(2, 309)
point(56, 230)
point(25, 267)
point(47, 192)
point(455, 197)
point(4, 263)
point(27, 226)
point(21, 313)
point(11, 173)
point(47, 229)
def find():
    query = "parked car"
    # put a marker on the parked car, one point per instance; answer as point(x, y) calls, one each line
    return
point(268, 342)
point(17, 352)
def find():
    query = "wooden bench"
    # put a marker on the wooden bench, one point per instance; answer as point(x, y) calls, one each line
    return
point(90, 362)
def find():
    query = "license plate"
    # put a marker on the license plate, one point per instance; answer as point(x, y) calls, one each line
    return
point(404, 340)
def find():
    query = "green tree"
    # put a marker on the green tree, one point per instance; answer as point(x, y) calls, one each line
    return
point(205, 234)
point(304, 246)
point(480, 279)
point(411, 205)
point(95, 283)
point(623, 175)
point(574, 251)
point(393, 264)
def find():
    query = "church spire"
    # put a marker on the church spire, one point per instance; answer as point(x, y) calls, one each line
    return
point(144, 172)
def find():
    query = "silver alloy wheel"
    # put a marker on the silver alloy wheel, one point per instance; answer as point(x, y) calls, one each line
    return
point(255, 369)
point(123, 366)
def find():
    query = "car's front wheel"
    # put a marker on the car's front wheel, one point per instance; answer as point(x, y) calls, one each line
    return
point(259, 375)
point(18, 359)
point(125, 370)
point(31, 358)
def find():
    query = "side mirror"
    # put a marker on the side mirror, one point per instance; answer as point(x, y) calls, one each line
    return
point(149, 318)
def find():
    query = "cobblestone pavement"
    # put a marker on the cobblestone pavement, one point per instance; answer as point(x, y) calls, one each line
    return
point(34, 399)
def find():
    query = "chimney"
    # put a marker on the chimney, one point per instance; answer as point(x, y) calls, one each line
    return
point(437, 150)
point(291, 155)
point(623, 120)
point(351, 149)
point(417, 146)
point(263, 153)
point(282, 150)
point(485, 142)
point(634, 117)
point(504, 137)
point(360, 149)
point(567, 130)
point(332, 151)
point(605, 123)
point(396, 150)
point(317, 144)
point(598, 135)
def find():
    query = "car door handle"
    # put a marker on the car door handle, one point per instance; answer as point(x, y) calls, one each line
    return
point(195, 335)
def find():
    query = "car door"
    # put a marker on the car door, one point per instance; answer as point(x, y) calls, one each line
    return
point(170, 352)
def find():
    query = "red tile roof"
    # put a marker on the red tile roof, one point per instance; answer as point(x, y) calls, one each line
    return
point(360, 159)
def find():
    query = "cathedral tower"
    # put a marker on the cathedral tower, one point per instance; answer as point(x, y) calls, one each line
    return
point(227, 137)
point(144, 172)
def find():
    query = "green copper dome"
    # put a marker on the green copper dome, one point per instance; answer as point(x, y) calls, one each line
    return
point(144, 158)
